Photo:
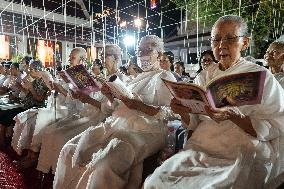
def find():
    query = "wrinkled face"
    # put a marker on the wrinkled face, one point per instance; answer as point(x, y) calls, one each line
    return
point(108, 59)
point(14, 70)
point(206, 60)
point(273, 55)
point(165, 63)
point(146, 51)
point(74, 58)
point(227, 42)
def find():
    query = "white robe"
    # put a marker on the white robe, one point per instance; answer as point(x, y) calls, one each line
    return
point(280, 78)
point(28, 124)
point(113, 151)
point(55, 136)
point(223, 155)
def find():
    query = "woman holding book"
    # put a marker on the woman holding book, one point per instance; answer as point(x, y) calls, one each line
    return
point(95, 110)
point(65, 172)
point(274, 57)
point(232, 147)
point(110, 155)
point(35, 89)
point(91, 111)
point(29, 134)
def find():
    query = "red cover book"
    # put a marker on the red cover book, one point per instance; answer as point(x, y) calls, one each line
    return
point(81, 79)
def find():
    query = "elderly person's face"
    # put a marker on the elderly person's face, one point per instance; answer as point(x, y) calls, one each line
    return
point(148, 56)
point(165, 63)
point(274, 56)
point(108, 59)
point(206, 60)
point(74, 58)
point(227, 43)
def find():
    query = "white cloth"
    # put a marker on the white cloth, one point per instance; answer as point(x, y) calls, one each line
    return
point(280, 78)
point(223, 155)
point(2, 79)
point(29, 123)
point(53, 137)
point(113, 151)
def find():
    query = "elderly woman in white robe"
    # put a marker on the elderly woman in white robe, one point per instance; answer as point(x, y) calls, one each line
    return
point(235, 147)
point(95, 111)
point(25, 122)
point(111, 154)
point(31, 124)
point(274, 57)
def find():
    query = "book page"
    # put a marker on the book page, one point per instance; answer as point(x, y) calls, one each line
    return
point(237, 89)
point(190, 95)
point(81, 79)
point(118, 88)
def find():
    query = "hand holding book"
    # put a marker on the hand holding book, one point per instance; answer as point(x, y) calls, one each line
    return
point(236, 89)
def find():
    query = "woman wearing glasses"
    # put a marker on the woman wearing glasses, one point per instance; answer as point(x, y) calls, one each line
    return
point(206, 59)
point(232, 147)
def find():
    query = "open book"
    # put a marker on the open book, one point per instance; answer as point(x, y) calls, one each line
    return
point(236, 89)
point(118, 88)
point(81, 79)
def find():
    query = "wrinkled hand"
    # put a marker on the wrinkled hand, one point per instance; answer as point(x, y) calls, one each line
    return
point(224, 113)
point(183, 111)
point(80, 96)
point(131, 103)
point(178, 108)
point(137, 104)
point(107, 92)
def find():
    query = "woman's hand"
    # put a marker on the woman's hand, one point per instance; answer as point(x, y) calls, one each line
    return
point(107, 92)
point(233, 114)
point(137, 104)
point(183, 111)
point(224, 113)
point(80, 96)
point(178, 108)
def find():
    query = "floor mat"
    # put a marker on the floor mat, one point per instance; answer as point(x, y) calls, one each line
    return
point(10, 177)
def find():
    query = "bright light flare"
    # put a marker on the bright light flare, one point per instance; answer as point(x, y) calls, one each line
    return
point(129, 40)
point(138, 22)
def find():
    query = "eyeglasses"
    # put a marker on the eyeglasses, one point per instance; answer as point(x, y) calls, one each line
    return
point(106, 55)
point(140, 52)
point(227, 40)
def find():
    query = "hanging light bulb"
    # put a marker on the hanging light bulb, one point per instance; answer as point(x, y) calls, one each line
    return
point(123, 24)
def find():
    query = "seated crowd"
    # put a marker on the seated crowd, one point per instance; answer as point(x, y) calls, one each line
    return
point(98, 140)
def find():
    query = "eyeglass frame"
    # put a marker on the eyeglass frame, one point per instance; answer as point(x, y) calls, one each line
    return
point(226, 40)
point(148, 51)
